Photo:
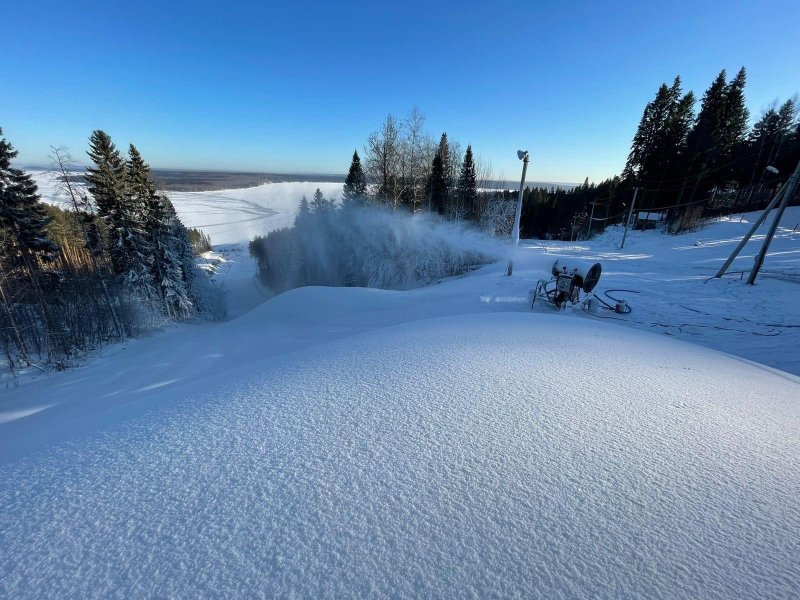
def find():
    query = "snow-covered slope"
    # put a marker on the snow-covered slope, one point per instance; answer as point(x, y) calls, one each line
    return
point(495, 454)
point(445, 441)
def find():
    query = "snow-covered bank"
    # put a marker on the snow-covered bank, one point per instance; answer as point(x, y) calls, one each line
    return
point(451, 456)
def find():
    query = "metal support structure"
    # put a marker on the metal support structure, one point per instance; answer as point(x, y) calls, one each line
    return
point(761, 218)
point(628, 220)
point(788, 194)
point(523, 155)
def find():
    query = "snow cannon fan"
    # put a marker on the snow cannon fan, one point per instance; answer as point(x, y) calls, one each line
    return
point(570, 278)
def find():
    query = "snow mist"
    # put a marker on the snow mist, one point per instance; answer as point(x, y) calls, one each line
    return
point(369, 247)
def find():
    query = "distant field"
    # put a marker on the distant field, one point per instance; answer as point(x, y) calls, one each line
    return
point(177, 180)
point(201, 181)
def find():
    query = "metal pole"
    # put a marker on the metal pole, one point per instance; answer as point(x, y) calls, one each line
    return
point(630, 214)
point(518, 214)
point(761, 218)
point(787, 196)
point(591, 216)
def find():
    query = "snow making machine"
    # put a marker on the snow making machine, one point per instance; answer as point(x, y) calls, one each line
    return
point(570, 278)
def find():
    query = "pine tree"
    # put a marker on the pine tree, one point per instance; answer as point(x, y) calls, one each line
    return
point(166, 240)
point(438, 182)
point(468, 183)
point(22, 214)
point(303, 213)
point(25, 246)
point(769, 144)
point(355, 185)
point(319, 204)
point(736, 114)
point(659, 146)
point(184, 297)
point(121, 207)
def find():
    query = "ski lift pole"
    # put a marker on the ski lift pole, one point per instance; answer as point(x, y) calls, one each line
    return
point(789, 188)
point(761, 218)
point(628, 220)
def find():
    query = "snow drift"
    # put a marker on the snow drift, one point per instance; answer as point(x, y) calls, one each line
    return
point(456, 456)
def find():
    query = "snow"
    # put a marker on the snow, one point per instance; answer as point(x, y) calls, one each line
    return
point(228, 216)
point(450, 456)
point(438, 442)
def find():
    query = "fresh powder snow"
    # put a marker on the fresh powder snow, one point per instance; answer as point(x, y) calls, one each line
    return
point(470, 455)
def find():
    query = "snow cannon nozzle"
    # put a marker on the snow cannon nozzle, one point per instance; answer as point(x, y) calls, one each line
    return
point(585, 275)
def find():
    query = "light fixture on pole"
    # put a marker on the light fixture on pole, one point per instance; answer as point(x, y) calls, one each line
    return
point(523, 156)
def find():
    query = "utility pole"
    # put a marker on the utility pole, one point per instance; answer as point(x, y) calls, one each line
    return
point(591, 218)
point(628, 220)
point(523, 156)
point(788, 194)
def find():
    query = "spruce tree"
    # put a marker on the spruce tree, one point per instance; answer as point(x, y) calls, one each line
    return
point(22, 215)
point(659, 146)
point(121, 207)
point(355, 185)
point(438, 182)
point(166, 240)
point(468, 184)
point(25, 245)
point(319, 204)
point(303, 213)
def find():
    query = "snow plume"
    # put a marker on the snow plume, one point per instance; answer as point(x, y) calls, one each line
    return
point(369, 247)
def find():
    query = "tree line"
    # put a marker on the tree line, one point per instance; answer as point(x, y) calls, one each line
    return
point(117, 262)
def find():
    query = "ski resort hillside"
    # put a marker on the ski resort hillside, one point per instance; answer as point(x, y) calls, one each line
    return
point(447, 440)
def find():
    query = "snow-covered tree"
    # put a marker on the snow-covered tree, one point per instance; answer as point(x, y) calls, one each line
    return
point(22, 215)
point(117, 190)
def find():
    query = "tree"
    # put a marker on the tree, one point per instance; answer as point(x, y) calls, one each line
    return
point(659, 145)
point(355, 184)
point(166, 240)
point(22, 214)
point(416, 151)
point(467, 184)
point(319, 204)
point(25, 245)
point(439, 181)
point(383, 162)
point(769, 143)
point(117, 189)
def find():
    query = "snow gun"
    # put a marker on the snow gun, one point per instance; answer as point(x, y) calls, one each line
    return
point(570, 279)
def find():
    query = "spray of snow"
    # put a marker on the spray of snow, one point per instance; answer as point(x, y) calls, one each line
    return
point(372, 247)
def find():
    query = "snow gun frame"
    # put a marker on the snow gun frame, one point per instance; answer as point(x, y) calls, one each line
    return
point(569, 280)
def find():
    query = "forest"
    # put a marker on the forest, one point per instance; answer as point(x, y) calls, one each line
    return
point(117, 263)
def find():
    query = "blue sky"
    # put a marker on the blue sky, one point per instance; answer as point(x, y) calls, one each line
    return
point(295, 86)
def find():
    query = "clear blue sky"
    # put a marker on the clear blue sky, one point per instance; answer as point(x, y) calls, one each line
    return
point(295, 86)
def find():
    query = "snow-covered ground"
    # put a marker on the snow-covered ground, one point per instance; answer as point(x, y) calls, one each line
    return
point(228, 216)
point(444, 441)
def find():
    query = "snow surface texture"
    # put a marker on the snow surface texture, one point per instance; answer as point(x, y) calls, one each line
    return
point(461, 456)
point(444, 441)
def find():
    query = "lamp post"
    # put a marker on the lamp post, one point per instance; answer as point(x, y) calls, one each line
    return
point(523, 156)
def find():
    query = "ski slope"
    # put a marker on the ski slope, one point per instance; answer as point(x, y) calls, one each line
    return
point(465, 455)
point(438, 442)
